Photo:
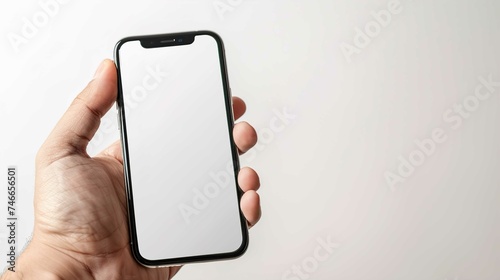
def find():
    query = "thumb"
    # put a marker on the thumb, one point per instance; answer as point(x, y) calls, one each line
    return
point(78, 125)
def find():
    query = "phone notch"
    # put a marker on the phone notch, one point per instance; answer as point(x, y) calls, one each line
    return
point(167, 41)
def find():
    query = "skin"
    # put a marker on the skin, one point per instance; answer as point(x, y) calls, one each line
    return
point(81, 229)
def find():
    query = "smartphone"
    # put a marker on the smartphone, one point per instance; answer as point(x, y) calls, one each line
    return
point(180, 160)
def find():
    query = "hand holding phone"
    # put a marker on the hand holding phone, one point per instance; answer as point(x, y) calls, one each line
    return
point(80, 227)
point(181, 162)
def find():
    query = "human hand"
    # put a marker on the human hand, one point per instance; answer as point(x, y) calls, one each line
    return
point(81, 226)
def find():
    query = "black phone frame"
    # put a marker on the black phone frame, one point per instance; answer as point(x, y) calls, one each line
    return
point(165, 40)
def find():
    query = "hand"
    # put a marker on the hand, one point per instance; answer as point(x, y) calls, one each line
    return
point(81, 229)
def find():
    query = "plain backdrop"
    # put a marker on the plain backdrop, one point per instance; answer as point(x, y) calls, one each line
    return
point(339, 100)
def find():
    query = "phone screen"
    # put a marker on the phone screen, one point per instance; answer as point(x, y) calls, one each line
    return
point(179, 151)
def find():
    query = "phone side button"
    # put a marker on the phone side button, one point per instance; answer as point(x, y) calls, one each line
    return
point(118, 121)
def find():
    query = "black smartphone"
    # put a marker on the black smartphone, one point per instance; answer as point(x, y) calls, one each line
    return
point(180, 161)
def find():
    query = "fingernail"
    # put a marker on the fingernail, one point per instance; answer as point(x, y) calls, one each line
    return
point(99, 70)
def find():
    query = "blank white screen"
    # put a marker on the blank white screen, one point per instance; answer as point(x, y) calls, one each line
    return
point(180, 158)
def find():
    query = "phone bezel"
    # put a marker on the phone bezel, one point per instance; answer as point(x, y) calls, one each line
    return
point(126, 164)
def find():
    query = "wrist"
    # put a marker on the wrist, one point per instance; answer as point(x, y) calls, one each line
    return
point(40, 261)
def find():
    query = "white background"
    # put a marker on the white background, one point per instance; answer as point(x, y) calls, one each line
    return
point(322, 170)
